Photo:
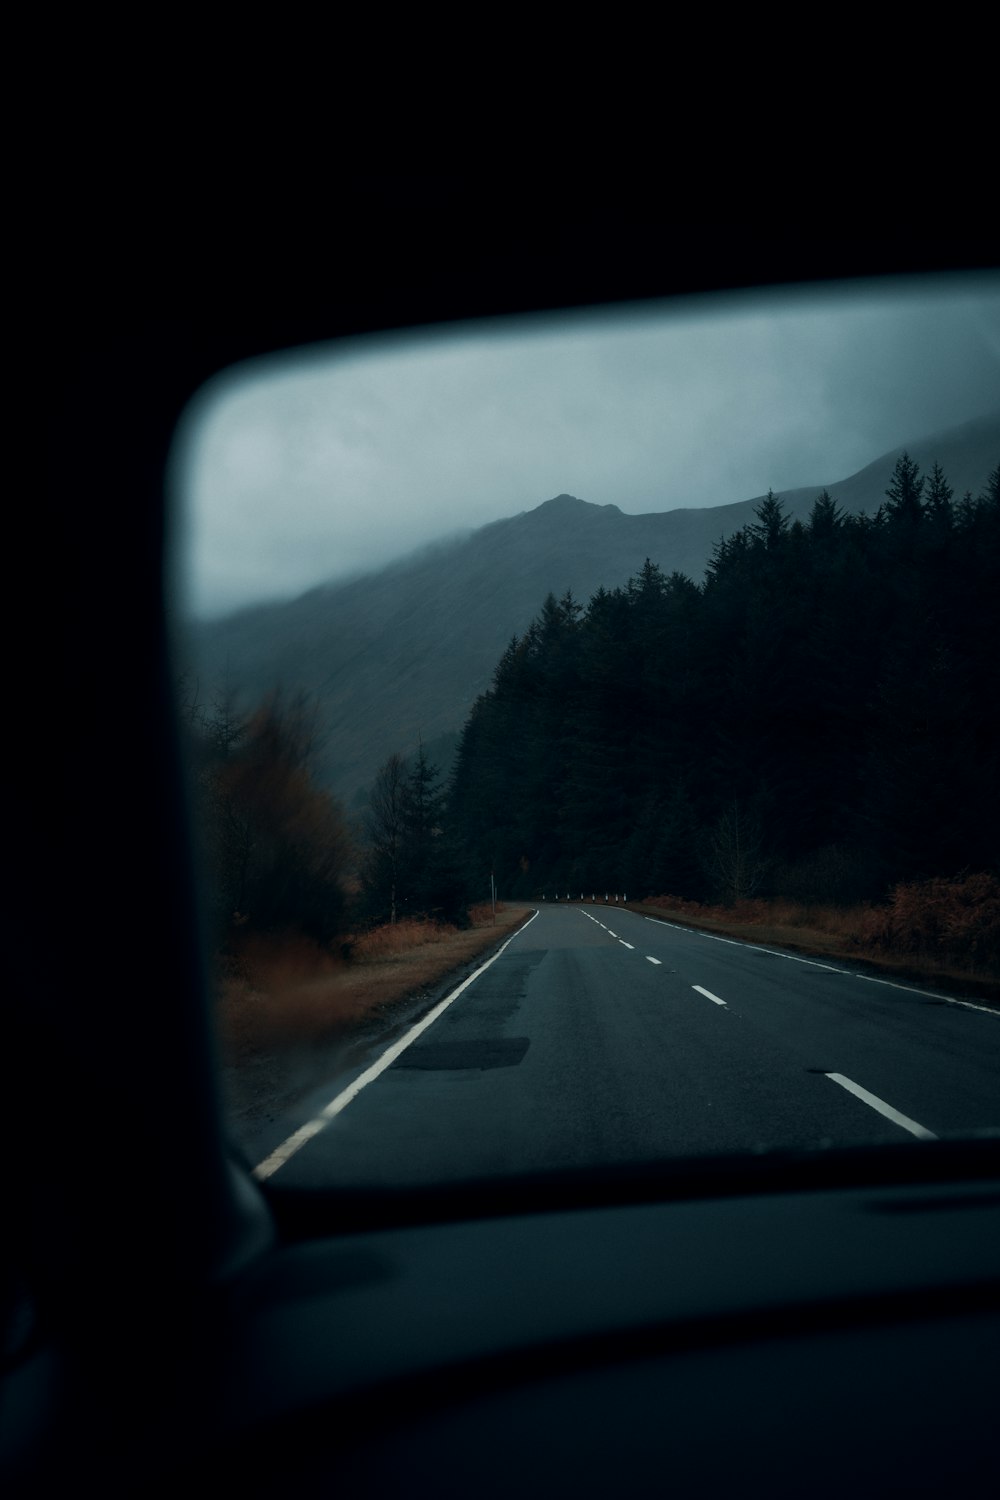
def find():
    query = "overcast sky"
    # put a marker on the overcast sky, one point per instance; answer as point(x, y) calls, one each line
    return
point(293, 471)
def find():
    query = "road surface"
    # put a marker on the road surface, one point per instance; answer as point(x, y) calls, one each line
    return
point(599, 1036)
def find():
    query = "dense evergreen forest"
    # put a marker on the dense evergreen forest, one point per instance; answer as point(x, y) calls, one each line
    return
point(817, 720)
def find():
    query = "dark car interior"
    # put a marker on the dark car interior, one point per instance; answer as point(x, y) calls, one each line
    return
point(795, 1324)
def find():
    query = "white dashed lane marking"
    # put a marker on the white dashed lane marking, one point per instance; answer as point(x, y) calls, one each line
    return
point(709, 996)
point(874, 1102)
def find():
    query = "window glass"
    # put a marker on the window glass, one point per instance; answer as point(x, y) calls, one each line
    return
point(593, 733)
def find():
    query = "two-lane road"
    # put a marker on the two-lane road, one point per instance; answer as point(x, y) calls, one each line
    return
point(599, 1036)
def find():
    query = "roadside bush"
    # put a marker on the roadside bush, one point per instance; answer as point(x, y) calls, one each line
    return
point(958, 918)
point(481, 913)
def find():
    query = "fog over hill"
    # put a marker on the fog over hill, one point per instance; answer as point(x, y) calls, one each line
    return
point(401, 654)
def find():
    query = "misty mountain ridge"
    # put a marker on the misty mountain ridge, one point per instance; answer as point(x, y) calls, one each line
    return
point(398, 656)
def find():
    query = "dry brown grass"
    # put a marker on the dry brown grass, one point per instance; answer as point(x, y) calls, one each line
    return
point(395, 939)
point(481, 915)
point(940, 930)
point(288, 991)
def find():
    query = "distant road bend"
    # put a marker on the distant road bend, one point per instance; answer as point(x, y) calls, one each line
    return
point(598, 1036)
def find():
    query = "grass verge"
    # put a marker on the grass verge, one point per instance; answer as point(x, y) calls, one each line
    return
point(288, 989)
point(288, 1011)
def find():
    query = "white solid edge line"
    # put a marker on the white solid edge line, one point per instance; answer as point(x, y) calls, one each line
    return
point(756, 947)
point(709, 996)
point(931, 994)
point(651, 960)
point(288, 1148)
point(848, 973)
point(883, 1109)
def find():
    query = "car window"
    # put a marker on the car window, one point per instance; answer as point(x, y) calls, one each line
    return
point(592, 734)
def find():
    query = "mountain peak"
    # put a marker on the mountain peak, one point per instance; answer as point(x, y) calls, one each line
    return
point(570, 504)
point(562, 502)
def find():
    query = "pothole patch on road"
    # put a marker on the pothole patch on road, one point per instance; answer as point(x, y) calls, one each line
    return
point(498, 1052)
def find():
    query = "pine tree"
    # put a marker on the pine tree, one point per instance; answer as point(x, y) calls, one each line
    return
point(938, 508)
point(826, 518)
point(903, 495)
point(937, 500)
point(771, 525)
point(422, 818)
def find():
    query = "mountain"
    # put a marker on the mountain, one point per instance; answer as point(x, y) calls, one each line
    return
point(401, 654)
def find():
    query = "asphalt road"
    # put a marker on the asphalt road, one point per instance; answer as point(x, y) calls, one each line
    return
point(599, 1036)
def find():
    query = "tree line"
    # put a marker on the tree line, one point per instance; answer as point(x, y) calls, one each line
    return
point(818, 719)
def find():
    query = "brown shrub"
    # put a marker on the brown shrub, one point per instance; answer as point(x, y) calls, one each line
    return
point(957, 918)
point(394, 938)
point(678, 904)
point(481, 914)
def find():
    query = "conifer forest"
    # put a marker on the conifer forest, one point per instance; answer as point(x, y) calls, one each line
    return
point(817, 719)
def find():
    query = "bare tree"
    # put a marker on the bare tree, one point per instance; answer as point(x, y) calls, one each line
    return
point(736, 862)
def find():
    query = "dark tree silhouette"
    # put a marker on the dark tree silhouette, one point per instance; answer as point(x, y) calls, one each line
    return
point(834, 683)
